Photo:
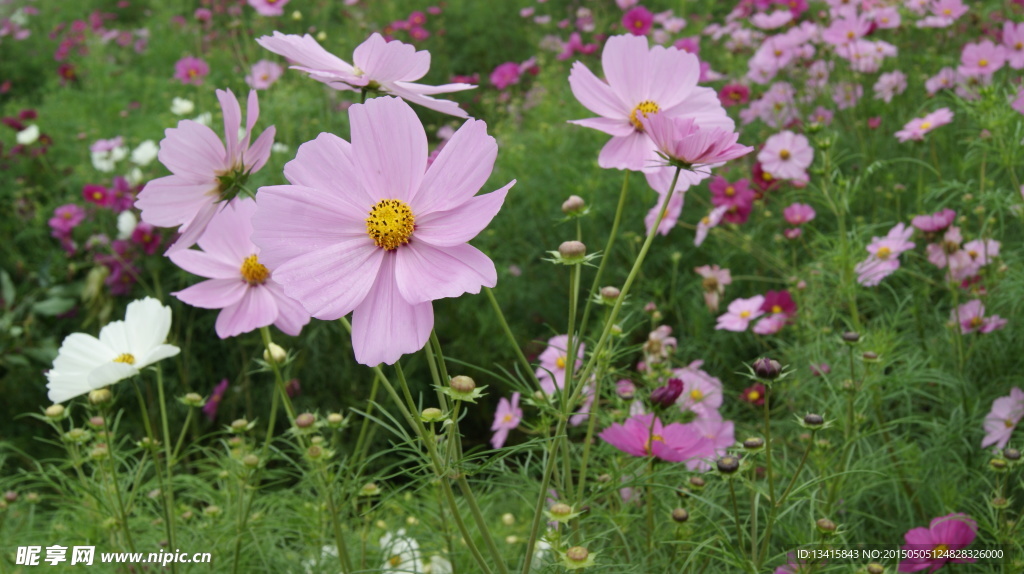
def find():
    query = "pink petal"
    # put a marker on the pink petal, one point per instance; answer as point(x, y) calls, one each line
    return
point(232, 122)
point(414, 93)
point(326, 164)
point(214, 293)
point(459, 171)
point(304, 50)
point(192, 151)
point(193, 229)
point(227, 235)
point(259, 152)
point(384, 61)
point(682, 67)
point(385, 326)
point(609, 126)
point(634, 152)
point(171, 200)
point(256, 309)
point(459, 225)
point(425, 273)
point(207, 264)
point(332, 281)
point(291, 316)
point(596, 95)
point(625, 60)
point(389, 147)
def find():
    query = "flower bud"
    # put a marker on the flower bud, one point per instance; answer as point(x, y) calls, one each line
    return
point(97, 422)
point(625, 388)
point(11, 496)
point(826, 526)
point(193, 400)
point(431, 415)
point(99, 452)
point(560, 509)
point(728, 464)
point(212, 511)
point(999, 503)
point(578, 557)
point(609, 294)
point(998, 464)
point(753, 443)
point(369, 489)
point(680, 515)
point(572, 251)
point(813, 421)
point(508, 519)
point(462, 384)
point(54, 411)
point(334, 420)
point(697, 483)
point(1011, 454)
point(574, 205)
point(766, 368)
point(851, 337)
point(666, 395)
point(876, 568)
point(239, 425)
point(251, 460)
point(305, 420)
point(314, 452)
point(32, 498)
point(870, 356)
point(100, 396)
point(274, 354)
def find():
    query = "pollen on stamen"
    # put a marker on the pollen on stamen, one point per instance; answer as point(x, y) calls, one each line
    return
point(126, 358)
point(390, 224)
point(645, 107)
point(254, 272)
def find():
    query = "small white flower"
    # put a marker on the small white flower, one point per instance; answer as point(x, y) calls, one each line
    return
point(85, 363)
point(279, 147)
point(134, 177)
point(145, 153)
point(204, 118)
point(182, 107)
point(126, 223)
point(28, 135)
point(438, 565)
point(401, 553)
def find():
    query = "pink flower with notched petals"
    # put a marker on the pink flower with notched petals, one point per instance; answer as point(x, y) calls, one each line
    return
point(390, 67)
point(935, 222)
point(889, 85)
point(551, 373)
point(268, 7)
point(65, 218)
point(971, 318)
point(1013, 44)
point(681, 141)
point(641, 81)
point(944, 80)
point(708, 222)
point(263, 74)
point(1003, 418)
point(714, 282)
point(916, 128)
point(740, 313)
point(644, 435)
point(206, 173)
point(387, 268)
point(798, 213)
point(950, 532)
point(716, 436)
point(189, 70)
point(734, 95)
point(238, 283)
point(702, 393)
point(981, 59)
point(737, 196)
point(637, 20)
point(884, 258)
point(507, 417)
point(786, 155)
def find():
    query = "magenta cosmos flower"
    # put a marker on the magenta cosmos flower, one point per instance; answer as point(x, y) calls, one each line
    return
point(238, 283)
point(641, 81)
point(1003, 418)
point(367, 228)
point(645, 435)
point(205, 173)
point(945, 533)
point(638, 20)
point(506, 417)
point(390, 67)
point(268, 7)
point(786, 155)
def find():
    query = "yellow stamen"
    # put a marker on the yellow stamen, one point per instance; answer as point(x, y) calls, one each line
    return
point(730, 191)
point(776, 309)
point(883, 253)
point(696, 394)
point(744, 314)
point(1008, 423)
point(390, 224)
point(983, 62)
point(753, 396)
point(560, 362)
point(645, 107)
point(507, 418)
point(395, 560)
point(784, 154)
point(126, 358)
point(926, 125)
point(254, 272)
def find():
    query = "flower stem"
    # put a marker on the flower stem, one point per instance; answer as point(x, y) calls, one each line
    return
point(511, 337)
point(116, 484)
point(169, 463)
point(156, 465)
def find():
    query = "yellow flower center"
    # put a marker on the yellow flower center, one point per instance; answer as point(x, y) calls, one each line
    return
point(696, 394)
point(883, 253)
point(645, 107)
point(192, 73)
point(705, 220)
point(784, 154)
point(850, 35)
point(753, 396)
point(1018, 46)
point(126, 358)
point(647, 447)
point(744, 314)
point(560, 362)
point(1008, 423)
point(767, 176)
point(975, 322)
point(395, 560)
point(730, 191)
point(948, 11)
point(983, 62)
point(390, 224)
point(254, 272)
point(973, 254)
point(507, 418)
point(939, 549)
point(97, 195)
point(926, 125)
point(776, 309)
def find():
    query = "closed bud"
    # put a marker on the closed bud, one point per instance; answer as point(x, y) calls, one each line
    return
point(574, 205)
point(753, 443)
point(54, 411)
point(876, 568)
point(508, 519)
point(212, 511)
point(314, 452)
point(100, 396)
point(665, 396)
point(851, 337)
point(193, 400)
point(305, 420)
point(609, 294)
point(334, 420)
point(1011, 454)
point(251, 460)
point(572, 251)
point(813, 420)
point(431, 415)
point(463, 384)
point(680, 515)
point(766, 368)
point(728, 464)
point(826, 526)
point(11, 496)
point(239, 425)
point(999, 503)
point(369, 489)
point(870, 356)
point(697, 483)
point(274, 354)
point(998, 464)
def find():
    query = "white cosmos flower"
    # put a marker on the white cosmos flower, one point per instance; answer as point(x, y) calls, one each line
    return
point(182, 107)
point(28, 136)
point(85, 363)
point(145, 153)
point(401, 553)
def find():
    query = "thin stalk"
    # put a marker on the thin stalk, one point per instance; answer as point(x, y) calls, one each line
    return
point(116, 484)
point(508, 333)
point(735, 513)
point(571, 352)
point(362, 441)
point(184, 431)
point(538, 511)
point(156, 464)
point(792, 481)
point(167, 493)
point(591, 427)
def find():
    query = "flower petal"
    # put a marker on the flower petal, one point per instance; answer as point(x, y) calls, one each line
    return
point(389, 148)
point(326, 164)
point(425, 273)
point(332, 281)
point(385, 326)
point(459, 225)
point(214, 294)
point(384, 61)
point(459, 171)
point(597, 96)
point(172, 200)
point(255, 309)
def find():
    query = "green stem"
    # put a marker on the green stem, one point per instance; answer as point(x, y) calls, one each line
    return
point(792, 481)
point(156, 465)
point(511, 337)
point(168, 493)
point(538, 511)
point(115, 483)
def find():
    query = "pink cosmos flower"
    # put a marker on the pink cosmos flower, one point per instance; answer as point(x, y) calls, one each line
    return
point(505, 75)
point(884, 258)
point(734, 95)
point(637, 86)
point(981, 59)
point(798, 213)
point(935, 222)
point(715, 280)
point(387, 268)
point(191, 70)
point(716, 436)
point(708, 222)
point(889, 85)
point(1003, 418)
point(205, 173)
point(971, 318)
point(944, 80)
point(268, 7)
point(660, 181)
point(644, 435)
point(551, 372)
point(740, 313)
point(637, 20)
point(887, 17)
point(98, 195)
point(951, 9)
point(1013, 44)
point(238, 283)
point(145, 236)
point(822, 116)
point(507, 417)
point(917, 127)
point(390, 67)
point(786, 156)
point(702, 393)
point(738, 197)
point(65, 218)
point(263, 74)
point(660, 345)
point(683, 143)
point(950, 532)
point(773, 20)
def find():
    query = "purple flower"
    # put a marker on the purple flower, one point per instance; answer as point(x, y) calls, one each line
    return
point(65, 218)
point(210, 408)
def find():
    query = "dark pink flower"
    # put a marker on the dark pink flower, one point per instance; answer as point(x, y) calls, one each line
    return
point(191, 70)
point(737, 197)
point(645, 435)
point(65, 218)
point(210, 408)
point(935, 222)
point(98, 195)
point(950, 532)
point(145, 236)
point(734, 95)
point(637, 20)
point(505, 75)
